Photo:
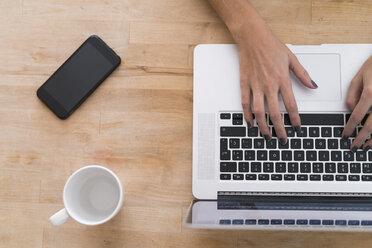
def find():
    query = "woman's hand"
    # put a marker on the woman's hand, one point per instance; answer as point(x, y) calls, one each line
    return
point(359, 100)
point(264, 67)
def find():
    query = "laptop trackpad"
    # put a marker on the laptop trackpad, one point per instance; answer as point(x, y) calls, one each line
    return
point(325, 70)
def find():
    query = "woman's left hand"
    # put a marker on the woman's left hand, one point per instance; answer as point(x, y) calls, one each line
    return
point(359, 100)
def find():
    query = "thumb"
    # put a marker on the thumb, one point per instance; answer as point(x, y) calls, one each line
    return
point(300, 72)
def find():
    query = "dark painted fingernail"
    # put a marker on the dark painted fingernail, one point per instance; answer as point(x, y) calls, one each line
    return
point(297, 129)
point(282, 141)
point(267, 137)
point(344, 137)
point(354, 149)
point(249, 124)
point(314, 84)
point(366, 148)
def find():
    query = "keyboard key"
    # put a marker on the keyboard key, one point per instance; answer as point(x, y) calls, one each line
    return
point(287, 121)
point(305, 167)
point(337, 131)
point(314, 222)
point(261, 155)
point(302, 177)
point(355, 168)
point(286, 155)
point(247, 143)
point(276, 222)
point(295, 144)
point(330, 167)
point(348, 156)
point(256, 167)
point(263, 177)
point(317, 167)
point(259, 143)
point(364, 119)
point(354, 177)
point(289, 177)
point(299, 155)
point(228, 167)
point(361, 156)
point(301, 222)
point(233, 131)
point(366, 222)
point(315, 177)
point(238, 176)
point(302, 132)
point(225, 116)
point(367, 167)
point(250, 155)
point(234, 143)
point(225, 222)
point(328, 177)
point(271, 144)
point(250, 177)
point(366, 178)
point(237, 155)
point(276, 177)
point(225, 176)
point(290, 131)
point(268, 167)
point(326, 132)
point(341, 178)
point(332, 144)
point(273, 155)
point(314, 131)
point(253, 132)
point(311, 156)
point(340, 222)
point(320, 144)
point(323, 155)
point(280, 167)
point(335, 155)
point(250, 222)
point(225, 155)
point(292, 167)
point(322, 119)
point(342, 168)
point(263, 222)
point(327, 222)
point(237, 119)
point(285, 146)
point(238, 222)
point(243, 167)
point(353, 222)
point(308, 144)
point(289, 222)
point(345, 144)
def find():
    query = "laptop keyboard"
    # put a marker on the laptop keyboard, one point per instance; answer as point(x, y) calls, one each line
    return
point(315, 153)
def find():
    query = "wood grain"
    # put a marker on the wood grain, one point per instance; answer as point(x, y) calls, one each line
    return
point(138, 123)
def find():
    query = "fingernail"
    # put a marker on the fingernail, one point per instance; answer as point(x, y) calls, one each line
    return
point(366, 148)
point(314, 84)
point(344, 137)
point(354, 149)
point(249, 124)
point(282, 141)
point(267, 137)
point(297, 129)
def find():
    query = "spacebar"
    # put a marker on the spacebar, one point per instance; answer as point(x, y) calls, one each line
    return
point(322, 119)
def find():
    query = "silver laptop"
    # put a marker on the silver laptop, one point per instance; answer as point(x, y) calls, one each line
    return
point(240, 178)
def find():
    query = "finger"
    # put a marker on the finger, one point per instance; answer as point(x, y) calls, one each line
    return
point(355, 91)
point(276, 117)
point(290, 105)
point(259, 112)
point(358, 113)
point(367, 145)
point(300, 72)
point(363, 135)
point(246, 102)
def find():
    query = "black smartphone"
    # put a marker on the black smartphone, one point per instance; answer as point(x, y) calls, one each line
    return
point(78, 77)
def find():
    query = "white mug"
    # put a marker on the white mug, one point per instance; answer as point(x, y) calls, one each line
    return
point(92, 195)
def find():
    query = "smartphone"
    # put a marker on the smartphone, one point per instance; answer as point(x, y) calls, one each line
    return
point(78, 77)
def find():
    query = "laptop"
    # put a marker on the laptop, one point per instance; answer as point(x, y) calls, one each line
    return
point(314, 181)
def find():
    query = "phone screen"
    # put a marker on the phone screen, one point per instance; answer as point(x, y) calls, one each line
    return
point(76, 78)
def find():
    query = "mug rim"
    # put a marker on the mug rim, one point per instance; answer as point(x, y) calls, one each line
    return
point(118, 206)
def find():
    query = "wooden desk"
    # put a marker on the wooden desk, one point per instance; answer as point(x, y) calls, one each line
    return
point(138, 123)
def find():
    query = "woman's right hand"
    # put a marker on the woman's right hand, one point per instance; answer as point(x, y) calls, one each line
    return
point(265, 63)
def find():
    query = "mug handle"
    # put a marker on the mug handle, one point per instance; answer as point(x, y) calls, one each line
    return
point(60, 217)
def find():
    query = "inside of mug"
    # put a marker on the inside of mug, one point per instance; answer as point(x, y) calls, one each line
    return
point(92, 195)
